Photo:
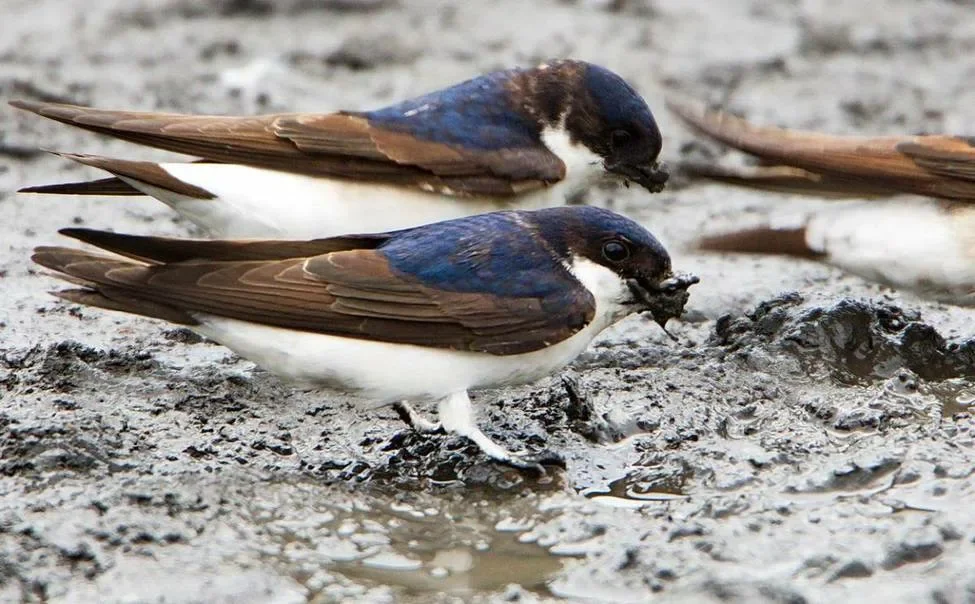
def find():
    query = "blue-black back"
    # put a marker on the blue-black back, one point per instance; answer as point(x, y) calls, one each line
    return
point(489, 253)
point(476, 114)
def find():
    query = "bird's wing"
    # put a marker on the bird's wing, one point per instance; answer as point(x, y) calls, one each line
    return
point(353, 293)
point(783, 179)
point(937, 166)
point(338, 145)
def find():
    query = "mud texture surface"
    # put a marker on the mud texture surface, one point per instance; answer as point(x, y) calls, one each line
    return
point(807, 439)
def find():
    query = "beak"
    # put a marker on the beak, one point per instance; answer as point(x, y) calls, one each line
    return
point(665, 299)
point(651, 177)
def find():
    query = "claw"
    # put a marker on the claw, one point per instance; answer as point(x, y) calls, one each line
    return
point(416, 421)
point(536, 463)
point(456, 417)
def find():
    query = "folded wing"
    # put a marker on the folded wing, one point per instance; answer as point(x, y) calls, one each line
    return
point(352, 293)
point(338, 145)
point(936, 166)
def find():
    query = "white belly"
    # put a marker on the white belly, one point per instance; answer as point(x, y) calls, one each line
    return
point(253, 202)
point(388, 373)
point(912, 244)
point(384, 372)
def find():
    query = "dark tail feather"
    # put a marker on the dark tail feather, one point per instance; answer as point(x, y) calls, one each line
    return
point(104, 186)
point(143, 171)
point(761, 240)
point(164, 250)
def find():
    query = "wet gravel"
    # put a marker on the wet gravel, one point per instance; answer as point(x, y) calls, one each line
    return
point(807, 438)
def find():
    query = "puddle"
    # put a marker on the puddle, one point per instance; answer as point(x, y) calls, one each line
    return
point(644, 486)
point(955, 396)
point(455, 565)
point(456, 545)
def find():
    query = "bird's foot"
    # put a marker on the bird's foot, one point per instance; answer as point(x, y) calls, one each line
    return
point(456, 416)
point(416, 421)
point(535, 462)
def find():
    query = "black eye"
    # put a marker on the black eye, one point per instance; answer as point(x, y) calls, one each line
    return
point(620, 139)
point(615, 251)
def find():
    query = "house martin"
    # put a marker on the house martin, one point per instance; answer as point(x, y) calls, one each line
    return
point(422, 314)
point(513, 139)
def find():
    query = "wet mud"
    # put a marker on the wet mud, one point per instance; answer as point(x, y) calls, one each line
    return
point(808, 437)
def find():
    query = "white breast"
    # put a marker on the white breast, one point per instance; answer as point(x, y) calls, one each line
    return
point(390, 372)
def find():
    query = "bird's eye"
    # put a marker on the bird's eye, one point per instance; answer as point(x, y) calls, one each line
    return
point(620, 138)
point(616, 251)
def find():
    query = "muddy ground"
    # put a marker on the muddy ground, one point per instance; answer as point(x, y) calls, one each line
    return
point(807, 439)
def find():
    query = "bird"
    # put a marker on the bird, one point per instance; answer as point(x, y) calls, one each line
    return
point(422, 314)
point(513, 139)
point(925, 245)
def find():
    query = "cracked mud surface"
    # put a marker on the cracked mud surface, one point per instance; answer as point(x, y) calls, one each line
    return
point(808, 438)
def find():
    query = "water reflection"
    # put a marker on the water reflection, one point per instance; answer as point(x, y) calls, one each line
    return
point(451, 544)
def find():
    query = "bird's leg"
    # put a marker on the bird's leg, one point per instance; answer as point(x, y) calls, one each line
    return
point(457, 417)
point(413, 419)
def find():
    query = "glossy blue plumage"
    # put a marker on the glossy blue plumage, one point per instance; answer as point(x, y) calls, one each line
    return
point(490, 253)
point(508, 254)
point(618, 102)
point(561, 226)
point(476, 114)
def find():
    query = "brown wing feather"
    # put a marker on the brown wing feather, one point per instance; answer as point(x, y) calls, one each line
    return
point(143, 171)
point(335, 145)
point(784, 179)
point(952, 157)
point(349, 293)
point(938, 166)
point(86, 269)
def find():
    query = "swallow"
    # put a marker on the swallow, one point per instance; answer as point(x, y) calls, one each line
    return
point(514, 139)
point(926, 246)
point(421, 314)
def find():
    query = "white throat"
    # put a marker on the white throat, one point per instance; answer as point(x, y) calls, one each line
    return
point(609, 290)
point(583, 168)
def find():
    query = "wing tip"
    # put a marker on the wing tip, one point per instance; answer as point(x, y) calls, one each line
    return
point(25, 105)
point(120, 302)
point(683, 106)
point(90, 273)
point(697, 115)
point(54, 257)
point(39, 107)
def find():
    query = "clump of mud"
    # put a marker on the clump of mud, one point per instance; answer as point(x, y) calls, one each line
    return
point(851, 341)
